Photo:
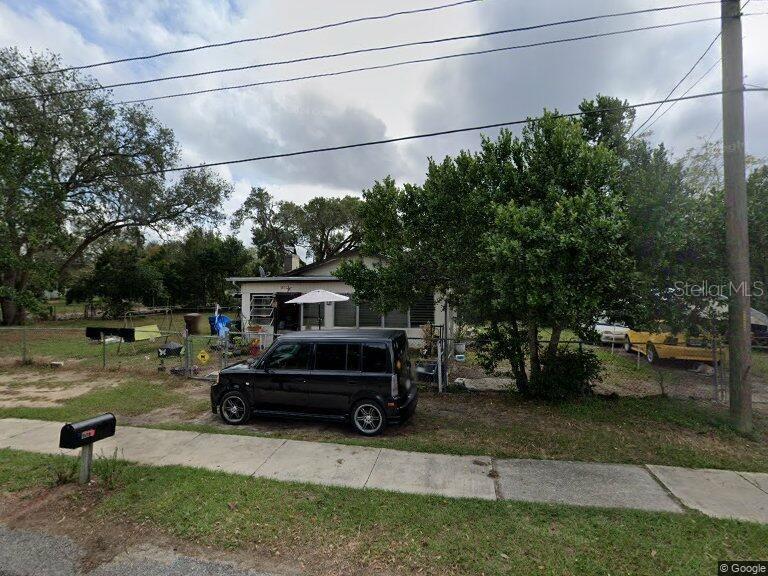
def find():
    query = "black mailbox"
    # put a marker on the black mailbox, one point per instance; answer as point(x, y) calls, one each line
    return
point(87, 432)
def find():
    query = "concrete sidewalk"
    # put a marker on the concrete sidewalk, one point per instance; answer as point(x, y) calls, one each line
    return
point(717, 493)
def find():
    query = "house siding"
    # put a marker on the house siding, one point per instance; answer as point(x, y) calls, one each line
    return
point(304, 284)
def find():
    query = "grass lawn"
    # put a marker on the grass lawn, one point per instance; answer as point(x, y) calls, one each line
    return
point(125, 395)
point(327, 530)
point(65, 342)
point(629, 430)
point(760, 364)
point(651, 430)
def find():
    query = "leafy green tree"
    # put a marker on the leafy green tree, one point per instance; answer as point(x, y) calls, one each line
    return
point(121, 276)
point(30, 227)
point(607, 120)
point(194, 270)
point(324, 227)
point(328, 226)
point(528, 233)
point(273, 230)
point(96, 156)
point(757, 197)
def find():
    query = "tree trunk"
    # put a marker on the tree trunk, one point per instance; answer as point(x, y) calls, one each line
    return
point(554, 342)
point(517, 360)
point(533, 344)
point(12, 314)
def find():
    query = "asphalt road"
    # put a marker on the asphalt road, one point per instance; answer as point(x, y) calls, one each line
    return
point(27, 553)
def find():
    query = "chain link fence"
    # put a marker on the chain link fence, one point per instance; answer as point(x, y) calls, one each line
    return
point(624, 373)
point(150, 351)
point(439, 362)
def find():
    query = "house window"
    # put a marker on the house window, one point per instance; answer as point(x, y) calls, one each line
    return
point(368, 317)
point(262, 309)
point(396, 319)
point(345, 314)
point(423, 311)
point(314, 315)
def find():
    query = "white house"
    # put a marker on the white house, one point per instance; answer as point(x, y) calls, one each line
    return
point(264, 307)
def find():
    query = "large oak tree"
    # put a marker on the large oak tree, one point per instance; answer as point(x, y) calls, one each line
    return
point(77, 169)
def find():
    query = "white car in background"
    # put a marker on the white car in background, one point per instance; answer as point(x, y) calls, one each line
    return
point(611, 333)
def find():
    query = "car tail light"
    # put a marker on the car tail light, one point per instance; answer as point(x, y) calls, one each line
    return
point(394, 385)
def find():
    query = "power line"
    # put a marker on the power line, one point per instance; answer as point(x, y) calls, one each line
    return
point(676, 86)
point(368, 68)
point(690, 71)
point(365, 50)
point(691, 87)
point(254, 39)
point(424, 135)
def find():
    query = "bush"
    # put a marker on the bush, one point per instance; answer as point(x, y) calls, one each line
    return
point(570, 374)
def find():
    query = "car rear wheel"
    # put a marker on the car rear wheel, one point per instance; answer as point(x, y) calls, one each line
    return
point(627, 345)
point(651, 355)
point(368, 418)
point(235, 408)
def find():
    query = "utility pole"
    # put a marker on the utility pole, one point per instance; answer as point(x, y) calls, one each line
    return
point(737, 239)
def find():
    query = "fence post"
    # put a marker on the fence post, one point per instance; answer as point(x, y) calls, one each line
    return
point(187, 354)
point(638, 359)
point(440, 366)
point(24, 351)
point(103, 352)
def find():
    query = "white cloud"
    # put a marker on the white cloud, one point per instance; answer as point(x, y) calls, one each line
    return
point(373, 105)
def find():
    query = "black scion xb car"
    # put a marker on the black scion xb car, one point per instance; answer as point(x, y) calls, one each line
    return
point(360, 376)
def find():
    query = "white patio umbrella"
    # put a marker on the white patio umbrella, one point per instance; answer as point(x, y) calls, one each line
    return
point(318, 297)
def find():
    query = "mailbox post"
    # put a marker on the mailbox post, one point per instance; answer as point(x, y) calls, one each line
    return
point(82, 435)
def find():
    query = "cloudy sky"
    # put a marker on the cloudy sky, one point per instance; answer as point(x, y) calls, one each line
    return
point(387, 103)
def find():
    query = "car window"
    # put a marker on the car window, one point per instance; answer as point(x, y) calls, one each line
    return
point(330, 356)
point(375, 357)
point(290, 356)
point(353, 358)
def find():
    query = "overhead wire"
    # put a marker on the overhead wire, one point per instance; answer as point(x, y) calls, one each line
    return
point(422, 135)
point(363, 50)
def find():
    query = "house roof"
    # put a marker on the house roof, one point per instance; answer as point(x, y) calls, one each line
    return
point(298, 274)
point(301, 270)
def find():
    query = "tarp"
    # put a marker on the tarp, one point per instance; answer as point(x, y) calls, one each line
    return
point(220, 325)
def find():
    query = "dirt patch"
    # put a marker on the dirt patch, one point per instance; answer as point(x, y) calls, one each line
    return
point(47, 389)
point(73, 512)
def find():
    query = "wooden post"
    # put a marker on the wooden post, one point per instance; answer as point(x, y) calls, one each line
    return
point(737, 238)
point(86, 461)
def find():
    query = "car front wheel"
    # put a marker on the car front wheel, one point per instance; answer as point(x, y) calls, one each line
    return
point(368, 418)
point(235, 408)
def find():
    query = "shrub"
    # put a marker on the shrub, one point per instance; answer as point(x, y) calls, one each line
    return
point(570, 374)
